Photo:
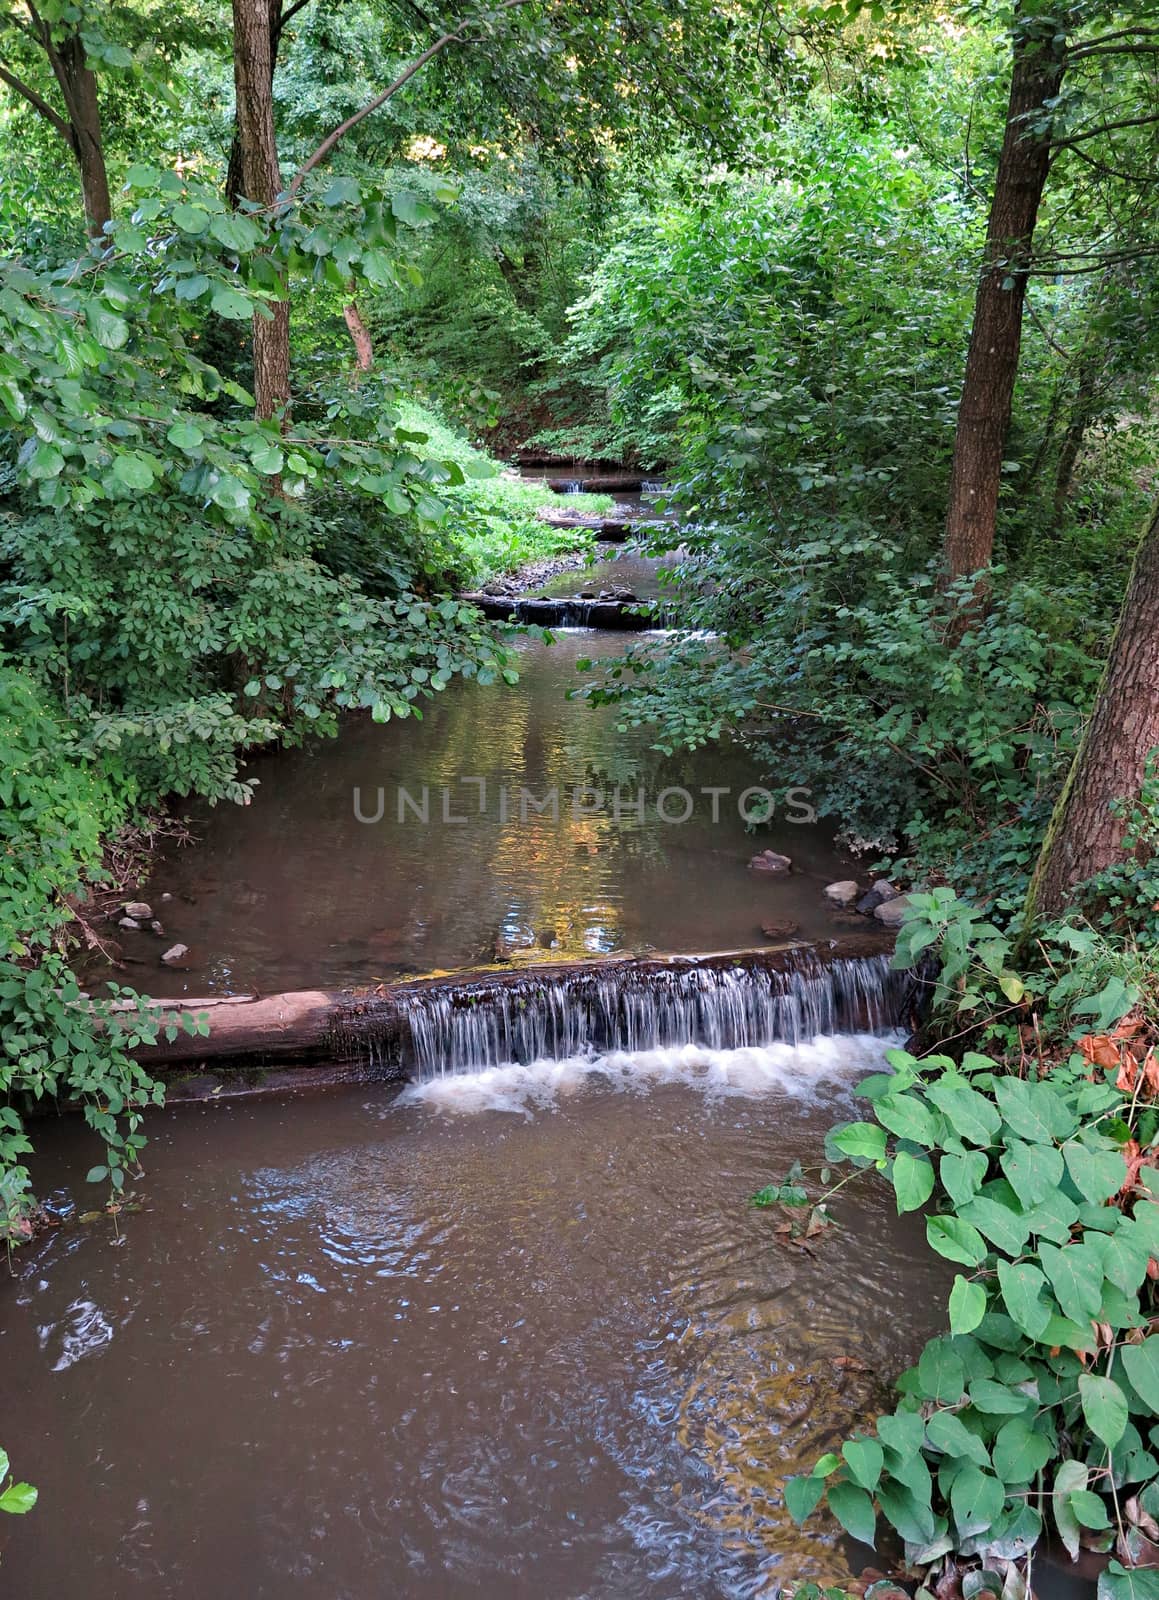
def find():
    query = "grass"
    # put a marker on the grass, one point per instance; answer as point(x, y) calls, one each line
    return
point(493, 519)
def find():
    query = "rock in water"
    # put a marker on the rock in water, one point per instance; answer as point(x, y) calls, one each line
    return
point(892, 912)
point(138, 910)
point(175, 953)
point(770, 861)
point(843, 893)
point(780, 930)
point(878, 894)
point(128, 922)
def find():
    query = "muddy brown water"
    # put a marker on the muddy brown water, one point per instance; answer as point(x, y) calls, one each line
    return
point(514, 1334)
point(295, 891)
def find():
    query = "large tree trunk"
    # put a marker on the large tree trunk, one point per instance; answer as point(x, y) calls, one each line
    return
point(80, 92)
point(360, 334)
point(996, 338)
point(1085, 835)
point(261, 179)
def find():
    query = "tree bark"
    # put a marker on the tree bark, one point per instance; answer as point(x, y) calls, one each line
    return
point(262, 183)
point(996, 337)
point(360, 333)
point(1085, 835)
point(87, 142)
point(80, 126)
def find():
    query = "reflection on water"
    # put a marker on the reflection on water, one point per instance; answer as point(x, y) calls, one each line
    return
point(534, 1345)
point(294, 891)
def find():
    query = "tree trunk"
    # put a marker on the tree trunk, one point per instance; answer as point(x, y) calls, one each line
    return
point(995, 340)
point(261, 180)
point(360, 333)
point(88, 145)
point(1085, 836)
point(1081, 416)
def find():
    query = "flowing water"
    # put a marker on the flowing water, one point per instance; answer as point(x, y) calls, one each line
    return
point(516, 1333)
point(471, 861)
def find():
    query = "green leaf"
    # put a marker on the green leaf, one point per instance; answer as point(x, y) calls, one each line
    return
point(1104, 1407)
point(1070, 1479)
point(1141, 1364)
point(967, 1305)
point(956, 1240)
point(854, 1511)
point(913, 1180)
point(948, 1433)
point(1139, 1583)
point(1019, 1452)
point(1008, 1228)
point(908, 1118)
point(1023, 1289)
point(963, 1176)
point(969, 1113)
point(802, 1495)
point(910, 1514)
point(1034, 1170)
point(902, 1431)
point(231, 305)
point(1034, 1110)
point(998, 1399)
point(941, 1373)
point(1076, 1276)
point(866, 1459)
point(17, 1499)
point(133, 472)
point(864, 1139)
point(341, 192)
point(1090, 1509)
point(185, 435)
point(1097, 1174)
point(976, 1499)
point(107, 329)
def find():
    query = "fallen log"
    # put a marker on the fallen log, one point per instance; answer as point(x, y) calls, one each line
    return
point(320, 1037)
point(610, 483)
point(567, 611)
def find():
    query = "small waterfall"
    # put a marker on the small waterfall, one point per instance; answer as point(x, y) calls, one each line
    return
point(440, 1028)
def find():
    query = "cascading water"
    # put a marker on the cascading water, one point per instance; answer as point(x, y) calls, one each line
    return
point(440, 1029)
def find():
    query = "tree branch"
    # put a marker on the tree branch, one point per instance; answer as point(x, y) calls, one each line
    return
point(38, 103)
point(1109, 127)
point(1088, 46)
point(454, 36)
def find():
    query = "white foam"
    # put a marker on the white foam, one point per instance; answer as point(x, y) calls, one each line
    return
point(797, 1070)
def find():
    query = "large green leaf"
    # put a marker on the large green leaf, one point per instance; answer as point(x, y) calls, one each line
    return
point(907, 1117)
point(802, 1495)
point(963, 1175)
point(1020, 1452)
point(1070, 1479)
point(1097, 1174)
point(1007, 1227)
point(864, 1139)
point(948, 1433)
point(1141, 1364)
point(865, 1458)
point(941, 1372)
point(1104, 1407)
point(967, 1305)
point(1076, 1276)
point(1034, 1170)
point(956, 1240)
point(854, 1511)
point(913, 1180)
point(976, 1499)
point(968, 1113)
point(1023, 1290)
point(1034, 1111)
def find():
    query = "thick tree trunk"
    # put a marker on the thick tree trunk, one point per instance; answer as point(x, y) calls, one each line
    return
point(88, 146)
point(1085, 835)
point(996, 337)
point(261, 180)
